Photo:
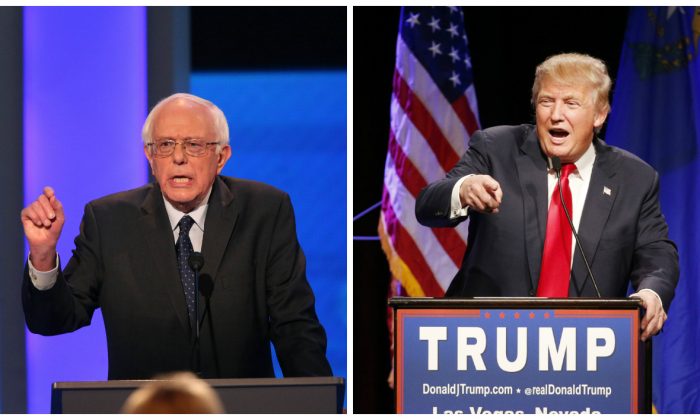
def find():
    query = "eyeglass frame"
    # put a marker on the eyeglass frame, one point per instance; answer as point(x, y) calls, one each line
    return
point(153, 146)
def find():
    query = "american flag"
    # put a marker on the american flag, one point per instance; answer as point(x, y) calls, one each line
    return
point(433, 114)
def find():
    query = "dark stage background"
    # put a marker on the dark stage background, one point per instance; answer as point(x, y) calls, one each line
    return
point(506, 44)
point(228, 38)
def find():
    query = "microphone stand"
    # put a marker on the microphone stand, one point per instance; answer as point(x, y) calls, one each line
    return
point(196, 262)
point(207, 287)
point(556, 164)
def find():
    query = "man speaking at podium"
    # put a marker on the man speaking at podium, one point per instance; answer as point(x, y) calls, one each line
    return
point(517, 183)
point(132, 258)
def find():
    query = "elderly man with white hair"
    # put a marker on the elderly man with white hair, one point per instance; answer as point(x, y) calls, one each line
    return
point(132, 260)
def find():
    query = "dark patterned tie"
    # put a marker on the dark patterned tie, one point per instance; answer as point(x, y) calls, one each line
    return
point(184, 250)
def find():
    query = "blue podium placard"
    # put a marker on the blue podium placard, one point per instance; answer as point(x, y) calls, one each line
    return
point(525, 360)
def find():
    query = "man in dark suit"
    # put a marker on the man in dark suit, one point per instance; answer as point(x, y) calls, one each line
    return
point(131, 259)
point(505, 183)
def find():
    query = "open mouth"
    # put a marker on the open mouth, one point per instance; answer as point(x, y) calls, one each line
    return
point(558, 133)
point(181, 180)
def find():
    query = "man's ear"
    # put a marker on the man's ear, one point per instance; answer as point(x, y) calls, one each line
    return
point(600, 117)
point(223, 157)
point(149, 158)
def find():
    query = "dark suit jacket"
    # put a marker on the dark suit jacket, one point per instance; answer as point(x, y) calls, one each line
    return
point(623, 234)
point(124, 262)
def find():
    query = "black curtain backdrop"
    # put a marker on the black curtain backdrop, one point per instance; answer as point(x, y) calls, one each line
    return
point(250, 38)
point(506, 44)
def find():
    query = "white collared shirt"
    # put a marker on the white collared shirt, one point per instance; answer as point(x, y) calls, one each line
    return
point(199, 215)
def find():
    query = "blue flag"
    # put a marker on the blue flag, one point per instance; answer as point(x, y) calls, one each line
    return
point(656, 115)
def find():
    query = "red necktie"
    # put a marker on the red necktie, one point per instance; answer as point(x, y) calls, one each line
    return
point(556, 257)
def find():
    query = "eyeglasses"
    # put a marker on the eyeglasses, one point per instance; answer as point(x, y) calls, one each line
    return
point(192, 147)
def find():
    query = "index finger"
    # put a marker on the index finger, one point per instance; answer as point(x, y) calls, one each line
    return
point(494, 189)
point(498, 194)
point(648, 317)
point(490, 183)
point(49, 192)
point(652, 327)
point(57, 207)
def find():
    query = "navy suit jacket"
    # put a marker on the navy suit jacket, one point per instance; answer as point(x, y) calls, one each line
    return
point(254, 283)
point(623, 233)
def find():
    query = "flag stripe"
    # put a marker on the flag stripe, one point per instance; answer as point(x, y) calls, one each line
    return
point(414, 182)
point(403, 204)
point(437, 105)
point(419, 153)
point(464, 112)
point(407, 249)
point(399, 268)
point(413, 144)
point(416, 111)
point(410, 176)
point(471, 101)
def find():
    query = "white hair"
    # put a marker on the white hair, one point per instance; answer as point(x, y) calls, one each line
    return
point(220, 123)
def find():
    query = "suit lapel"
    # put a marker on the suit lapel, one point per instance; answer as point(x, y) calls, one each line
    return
point(155, 225)
point(602, 191)
point(221, 219)
point(532, 175)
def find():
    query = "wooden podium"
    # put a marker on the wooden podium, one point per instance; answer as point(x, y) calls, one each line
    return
point(520, 355)
point(239, 396)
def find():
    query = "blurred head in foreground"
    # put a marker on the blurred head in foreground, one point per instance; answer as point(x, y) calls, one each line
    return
point(178, 393)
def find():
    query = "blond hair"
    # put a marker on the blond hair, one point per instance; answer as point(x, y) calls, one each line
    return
point(177, 393)
point(574, 68)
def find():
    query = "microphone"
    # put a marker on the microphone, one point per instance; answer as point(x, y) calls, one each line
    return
point(196, 262)
point(556, 165)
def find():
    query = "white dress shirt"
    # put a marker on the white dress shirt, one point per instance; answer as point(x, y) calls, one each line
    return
point(199, 215)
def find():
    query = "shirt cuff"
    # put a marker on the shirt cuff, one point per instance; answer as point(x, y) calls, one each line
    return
point(456, 209)
point(655, 294)
point(43, 280)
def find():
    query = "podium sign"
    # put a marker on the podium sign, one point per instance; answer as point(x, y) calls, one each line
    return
point(533, 356)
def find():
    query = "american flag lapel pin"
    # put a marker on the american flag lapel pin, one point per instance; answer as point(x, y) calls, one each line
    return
point(606, 191)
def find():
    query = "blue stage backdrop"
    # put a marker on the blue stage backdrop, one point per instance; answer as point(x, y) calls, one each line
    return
point(288, 129)
point(84, 103)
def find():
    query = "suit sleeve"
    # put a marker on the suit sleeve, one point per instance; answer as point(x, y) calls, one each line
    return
point(655, 260)
point(433, 202)
point(299, 338)
point(70, 303)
